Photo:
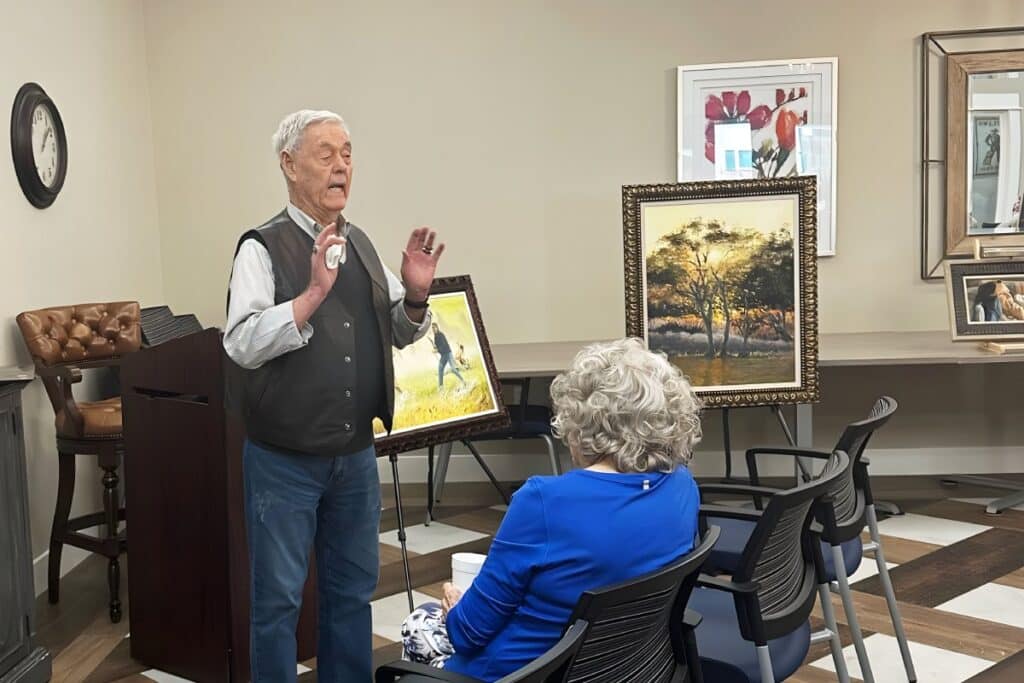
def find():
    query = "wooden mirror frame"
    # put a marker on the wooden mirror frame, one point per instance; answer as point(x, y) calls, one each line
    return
point(959, 67)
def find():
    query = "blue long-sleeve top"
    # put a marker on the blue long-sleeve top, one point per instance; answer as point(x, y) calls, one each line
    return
point(561, 536)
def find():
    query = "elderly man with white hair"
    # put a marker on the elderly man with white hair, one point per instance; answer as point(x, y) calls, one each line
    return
point(313, 314)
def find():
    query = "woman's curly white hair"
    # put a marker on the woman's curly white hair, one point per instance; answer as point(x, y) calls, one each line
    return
point(622, 401)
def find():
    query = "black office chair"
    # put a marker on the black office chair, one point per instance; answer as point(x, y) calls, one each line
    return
point(755, 626)
point(638, 630)
point(527, 421)
point(551, 667)
point(842, 548)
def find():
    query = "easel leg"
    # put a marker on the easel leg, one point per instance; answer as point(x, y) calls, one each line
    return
point(801, 467)
point(393, 457)
point(430, 486)
point(727, 447)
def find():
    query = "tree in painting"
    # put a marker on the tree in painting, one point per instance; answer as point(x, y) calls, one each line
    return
point(720, 301)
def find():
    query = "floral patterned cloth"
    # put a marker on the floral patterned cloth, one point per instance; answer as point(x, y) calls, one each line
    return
point(425, 637)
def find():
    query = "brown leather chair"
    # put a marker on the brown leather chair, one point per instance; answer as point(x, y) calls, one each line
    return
point(63, 342)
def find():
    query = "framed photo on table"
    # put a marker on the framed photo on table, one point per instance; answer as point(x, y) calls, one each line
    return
point(986, 299)
point(721, 276)
point(446, 385)
point(790, 108)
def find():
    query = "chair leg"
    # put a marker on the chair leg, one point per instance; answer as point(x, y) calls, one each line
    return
point(834, 643)
point(65, 492)
point(764, 662)
point(556, 467)
point(890, 596)
point(487, 470)
point(851, 615)
point(110, 505)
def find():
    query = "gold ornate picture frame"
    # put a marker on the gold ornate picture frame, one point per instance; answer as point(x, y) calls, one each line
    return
point(446, 384)
point(721, 276)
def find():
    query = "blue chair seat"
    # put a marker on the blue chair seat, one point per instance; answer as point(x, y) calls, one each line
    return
point(534, 422)
point(853, 552)
point(735, 533)
point(725, 656)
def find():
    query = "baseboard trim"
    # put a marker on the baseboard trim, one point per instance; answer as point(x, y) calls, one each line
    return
point(70, 558)
point(412, 467)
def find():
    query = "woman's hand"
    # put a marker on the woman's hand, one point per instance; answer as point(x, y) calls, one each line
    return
point(451, 596)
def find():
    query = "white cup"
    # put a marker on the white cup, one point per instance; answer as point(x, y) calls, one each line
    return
point(465, 567)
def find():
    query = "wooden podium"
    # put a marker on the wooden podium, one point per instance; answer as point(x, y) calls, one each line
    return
point(188, 578)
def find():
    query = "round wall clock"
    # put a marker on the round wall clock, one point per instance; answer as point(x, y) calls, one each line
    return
point(38, 145)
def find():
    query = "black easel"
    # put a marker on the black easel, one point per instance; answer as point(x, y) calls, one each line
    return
point(776, 408)
point(393, 457)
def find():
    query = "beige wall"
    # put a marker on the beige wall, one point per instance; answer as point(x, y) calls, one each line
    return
point(511, 127)
point(99, 240)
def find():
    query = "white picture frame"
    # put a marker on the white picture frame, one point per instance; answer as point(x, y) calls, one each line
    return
point(809, 96)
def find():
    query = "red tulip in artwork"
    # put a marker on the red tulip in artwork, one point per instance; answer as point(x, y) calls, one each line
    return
point(736, 107)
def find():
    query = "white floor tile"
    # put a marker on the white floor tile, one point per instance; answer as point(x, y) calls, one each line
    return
point(868, 568)
point(929, 529)
point(390, 612)
point(427, 539)
point(164, 677)
point(932, 664)
point(985, 501)
point(993, 602)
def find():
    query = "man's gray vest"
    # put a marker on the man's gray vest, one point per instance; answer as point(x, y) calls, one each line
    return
point(305, 400)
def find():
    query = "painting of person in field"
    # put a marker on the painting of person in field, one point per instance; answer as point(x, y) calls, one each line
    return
point(442, 378)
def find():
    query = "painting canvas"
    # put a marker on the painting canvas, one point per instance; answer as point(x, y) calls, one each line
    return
point(986, 145)
point(986, 299)
point(790, 107)
point(720, 277)
point(446, 386)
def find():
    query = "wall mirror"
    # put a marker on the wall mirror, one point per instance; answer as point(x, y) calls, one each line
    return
point(984, 150)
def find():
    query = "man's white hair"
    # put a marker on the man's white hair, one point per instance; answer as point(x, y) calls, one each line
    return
point(289, 131)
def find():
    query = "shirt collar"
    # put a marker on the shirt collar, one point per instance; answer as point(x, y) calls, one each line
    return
point(305, 221)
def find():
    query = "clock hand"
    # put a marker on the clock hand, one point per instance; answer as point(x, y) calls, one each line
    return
point(45, 135)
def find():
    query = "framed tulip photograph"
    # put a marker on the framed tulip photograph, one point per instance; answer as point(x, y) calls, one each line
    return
point(721, 277)
point(784, 114)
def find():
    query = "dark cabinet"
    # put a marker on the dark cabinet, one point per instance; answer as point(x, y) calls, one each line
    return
point(20, 661)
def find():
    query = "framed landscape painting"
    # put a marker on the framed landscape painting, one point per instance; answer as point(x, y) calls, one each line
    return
point(721, 277)
point(787, 113)
point(446, 386)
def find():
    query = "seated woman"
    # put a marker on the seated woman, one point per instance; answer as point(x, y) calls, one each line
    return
point(631, 421)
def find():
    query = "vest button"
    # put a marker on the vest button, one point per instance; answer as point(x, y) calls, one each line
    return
point(348, 393)
point(347, 324)
point(348, 427)
point(348, 359)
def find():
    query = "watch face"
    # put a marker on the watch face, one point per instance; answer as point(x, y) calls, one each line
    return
point(44, 145)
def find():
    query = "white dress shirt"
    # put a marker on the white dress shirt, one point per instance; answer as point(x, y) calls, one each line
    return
point(258, 330)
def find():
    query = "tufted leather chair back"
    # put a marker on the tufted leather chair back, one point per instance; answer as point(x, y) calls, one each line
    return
point(76, 334)
point(65, 339)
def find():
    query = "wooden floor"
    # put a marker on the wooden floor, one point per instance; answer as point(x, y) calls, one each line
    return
point(958, 574)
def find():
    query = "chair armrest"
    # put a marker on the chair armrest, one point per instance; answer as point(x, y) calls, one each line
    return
point(792, 452)
point(692, 619)
point(729, 512)
point(58, 380)
point(388, 673)
point(738, 489)
point(727, 585)
point(58, 368)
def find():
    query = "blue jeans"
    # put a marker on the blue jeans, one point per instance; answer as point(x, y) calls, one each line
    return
point(446, 359)
point(292, 502)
